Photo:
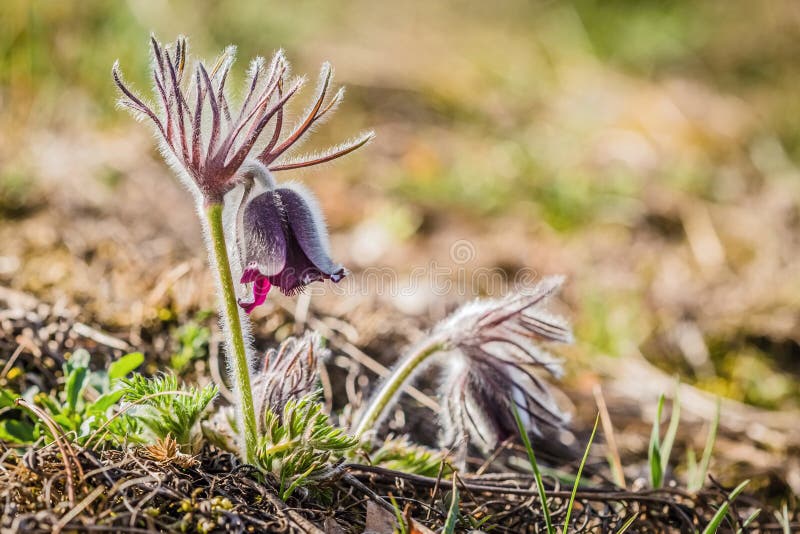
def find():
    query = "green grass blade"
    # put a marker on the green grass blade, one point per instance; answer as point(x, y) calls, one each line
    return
point(452, 513)
point(716, 521)
point(702, 469)
point(536, 474)
point(654, 450)
point(398, 515)
point(627, 524)
point(672, 430)
point(578, 477)
point(750, 519)
point(691, 468)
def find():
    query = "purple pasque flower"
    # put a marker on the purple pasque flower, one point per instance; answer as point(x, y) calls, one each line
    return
point(209, 151)
point(495, 349)
point(283, 241)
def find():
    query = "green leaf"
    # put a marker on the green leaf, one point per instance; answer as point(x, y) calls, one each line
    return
point(105, 401)
point(716, 521)
point(73, 388)
point(76, 369)
point(654, 459)
point(452, 513)
point(125, 365)
point(167, 408)
point(16, 431)
point(7, 398)
point(300, 444)
point(398, 514)
point(672, 430)
point(627, 524)
point(66, 422)
point(750, 519)
point(702, 469)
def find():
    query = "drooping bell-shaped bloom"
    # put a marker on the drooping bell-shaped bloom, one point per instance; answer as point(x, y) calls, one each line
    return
point(208, 151)
point(285, 243)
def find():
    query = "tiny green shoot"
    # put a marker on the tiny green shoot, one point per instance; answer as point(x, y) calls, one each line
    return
point(578, 476)
point(654, 449)
point(452, 513)
point(627, 524)
point(535, 466)
point(716, 521)
point(702, 469)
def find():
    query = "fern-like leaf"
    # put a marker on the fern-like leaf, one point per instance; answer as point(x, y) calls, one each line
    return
point(167, 408)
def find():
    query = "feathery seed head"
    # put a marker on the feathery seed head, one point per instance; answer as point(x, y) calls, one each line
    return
point(494, 351)
point(208, 151)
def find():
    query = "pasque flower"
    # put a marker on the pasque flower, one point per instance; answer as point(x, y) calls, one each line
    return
point(207, 141)
point(490, 352)
point(284, 242)
point(214, 149)
point(496, 348)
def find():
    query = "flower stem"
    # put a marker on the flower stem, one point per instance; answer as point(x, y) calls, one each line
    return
point(391, 387)
point(236, 352)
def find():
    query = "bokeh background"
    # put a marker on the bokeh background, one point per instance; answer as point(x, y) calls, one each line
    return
point(648, 150)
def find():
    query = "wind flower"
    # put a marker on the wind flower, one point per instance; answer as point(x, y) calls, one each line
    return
point(490, 351)
point(284, 241)
point(214, 149)
point(208, 151)
point(495, 349)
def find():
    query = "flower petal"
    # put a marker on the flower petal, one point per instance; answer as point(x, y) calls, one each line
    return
point(308, 227)
point(264, 235)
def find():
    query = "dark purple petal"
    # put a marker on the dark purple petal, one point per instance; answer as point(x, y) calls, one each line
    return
point(309, 231)
point(265, 234)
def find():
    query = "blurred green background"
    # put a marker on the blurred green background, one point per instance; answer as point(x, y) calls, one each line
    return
point(647, 149)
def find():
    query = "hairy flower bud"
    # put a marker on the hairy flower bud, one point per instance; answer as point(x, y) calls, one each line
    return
point(289, 373)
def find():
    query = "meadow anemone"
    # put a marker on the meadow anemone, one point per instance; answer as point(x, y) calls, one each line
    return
point(208, 151)
point(496, 347)
point(215, 150)
point(490, 351)
point(283, 240)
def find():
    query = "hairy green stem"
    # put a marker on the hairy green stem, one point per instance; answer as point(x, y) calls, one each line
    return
point(236, 352)
point(394, 382)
